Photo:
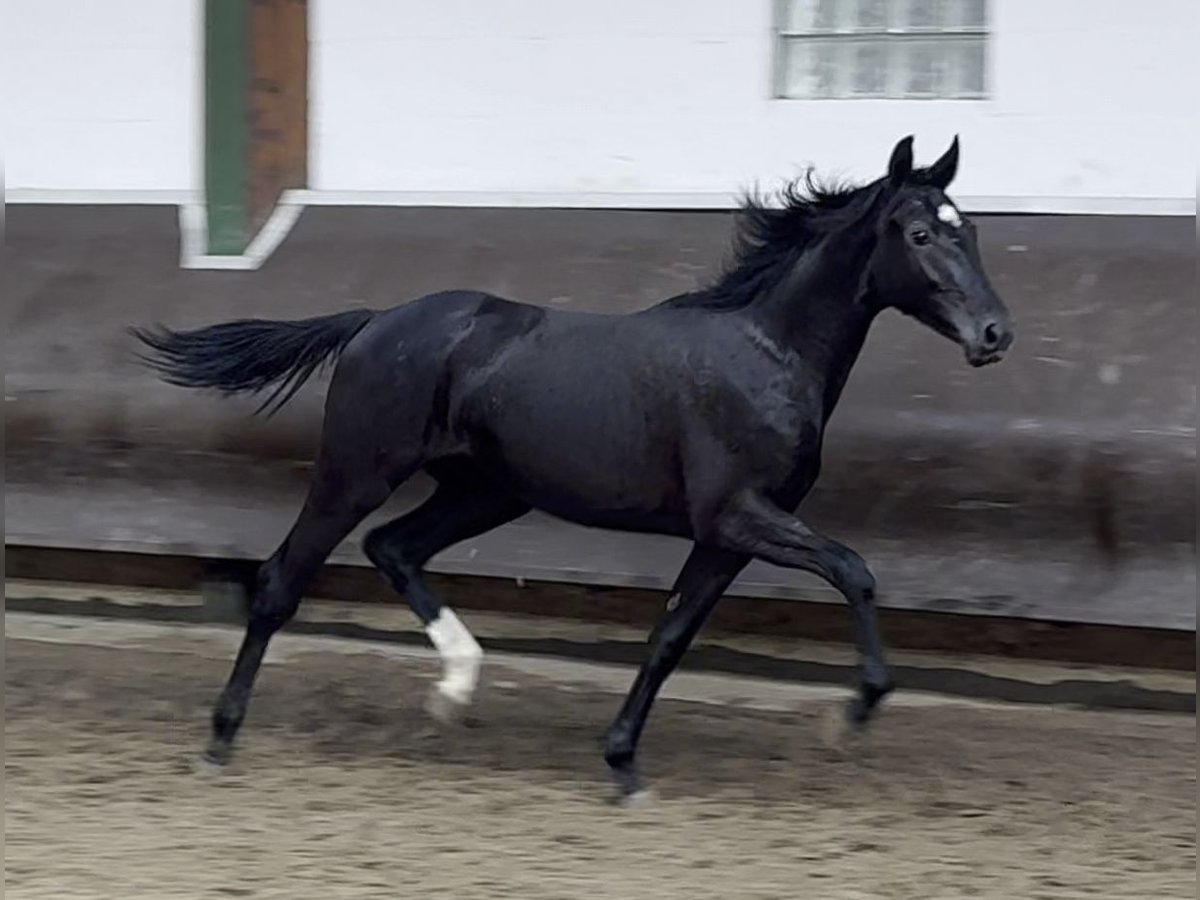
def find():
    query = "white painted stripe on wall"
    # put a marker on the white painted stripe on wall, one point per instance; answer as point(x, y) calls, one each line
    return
point(193, 230)
point(1111, 206)
point(1069, 206)
point(97, 197)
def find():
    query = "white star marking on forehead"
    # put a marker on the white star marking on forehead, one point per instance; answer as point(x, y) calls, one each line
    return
point(948, 214)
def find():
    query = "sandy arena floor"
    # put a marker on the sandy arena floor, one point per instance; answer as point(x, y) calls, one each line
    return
point(341, 790)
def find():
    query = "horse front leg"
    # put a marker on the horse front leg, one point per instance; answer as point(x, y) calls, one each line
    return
point(755, 526)
point(701, 582)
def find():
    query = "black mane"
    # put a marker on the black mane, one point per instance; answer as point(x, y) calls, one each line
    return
point(770, 238)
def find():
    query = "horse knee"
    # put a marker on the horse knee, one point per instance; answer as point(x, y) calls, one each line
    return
point(265, 620)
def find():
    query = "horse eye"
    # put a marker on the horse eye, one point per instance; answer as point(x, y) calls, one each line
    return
point(920, 237)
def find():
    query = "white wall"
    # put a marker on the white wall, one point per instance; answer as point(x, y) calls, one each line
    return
point(101, 95)
point(642, 101)
point(627, 102)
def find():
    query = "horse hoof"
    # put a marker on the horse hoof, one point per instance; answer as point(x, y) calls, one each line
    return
point(206, 767)
point(445, 710)
point(639, 799)
point(213, 761)
point(841, 735)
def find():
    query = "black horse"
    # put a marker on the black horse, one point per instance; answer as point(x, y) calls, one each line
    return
point(701, 417)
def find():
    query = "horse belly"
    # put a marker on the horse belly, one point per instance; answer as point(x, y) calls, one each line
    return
point(587, 461)
point(593, 482)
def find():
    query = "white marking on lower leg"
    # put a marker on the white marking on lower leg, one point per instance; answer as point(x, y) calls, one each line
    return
point(948, 214)
point(461, 656)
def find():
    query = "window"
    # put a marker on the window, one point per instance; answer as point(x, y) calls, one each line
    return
point(910, 49)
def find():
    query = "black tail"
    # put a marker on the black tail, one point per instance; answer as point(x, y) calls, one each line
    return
point(250, 355)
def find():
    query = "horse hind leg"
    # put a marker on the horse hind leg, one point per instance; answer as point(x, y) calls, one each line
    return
point(336, 503)
point(461, 507)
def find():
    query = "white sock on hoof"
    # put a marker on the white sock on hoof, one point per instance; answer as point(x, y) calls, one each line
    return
point(461, 656)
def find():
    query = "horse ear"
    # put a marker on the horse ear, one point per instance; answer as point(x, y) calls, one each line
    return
point(942, 172)
point(901, 163)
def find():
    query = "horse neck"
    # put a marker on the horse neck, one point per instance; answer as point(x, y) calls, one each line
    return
point(821, 311)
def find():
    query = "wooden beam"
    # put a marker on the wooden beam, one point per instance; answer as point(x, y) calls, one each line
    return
point(256, 114)
point(278, 103)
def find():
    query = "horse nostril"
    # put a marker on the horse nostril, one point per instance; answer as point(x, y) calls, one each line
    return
point(991, 335)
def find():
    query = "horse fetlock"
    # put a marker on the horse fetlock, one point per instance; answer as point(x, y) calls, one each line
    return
point(618, 747)
point(225, 724)
point(871, 691)
point(625, 775)
point(877, 683)
point(229, 711)
point(461, 655)
point(460, 678)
